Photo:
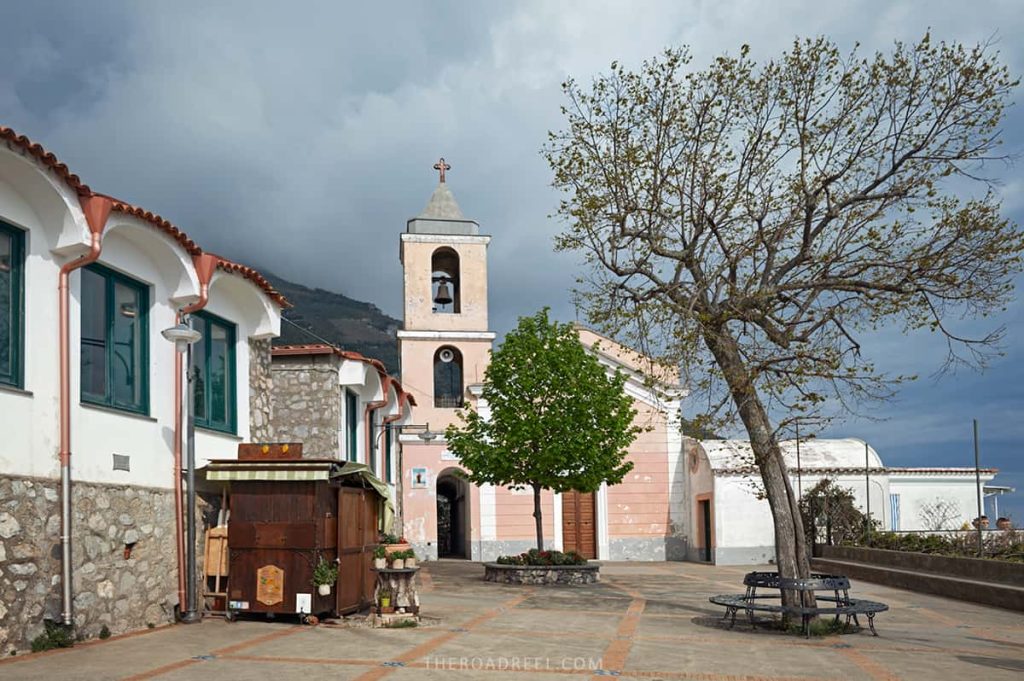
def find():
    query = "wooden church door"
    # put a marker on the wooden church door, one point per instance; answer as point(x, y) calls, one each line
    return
point(579, 530)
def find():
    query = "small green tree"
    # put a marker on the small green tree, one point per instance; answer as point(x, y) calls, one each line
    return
point(557, 420)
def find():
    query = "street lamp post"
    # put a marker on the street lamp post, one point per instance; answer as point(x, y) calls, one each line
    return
point(184, 336)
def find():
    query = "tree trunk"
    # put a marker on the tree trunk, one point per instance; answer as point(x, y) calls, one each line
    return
point(537, 517)
point(790, 543)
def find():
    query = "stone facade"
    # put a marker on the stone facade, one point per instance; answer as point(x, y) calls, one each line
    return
point(571, 575)
point(307, 403)
point(261, 385)
point(123, 591)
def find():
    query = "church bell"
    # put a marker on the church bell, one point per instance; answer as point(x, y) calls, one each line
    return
point(444, 294)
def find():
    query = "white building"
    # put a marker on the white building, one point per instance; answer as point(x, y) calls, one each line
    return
point(733, 523)
point(112, 415)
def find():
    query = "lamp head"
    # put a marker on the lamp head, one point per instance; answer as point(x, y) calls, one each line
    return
point(182, 335)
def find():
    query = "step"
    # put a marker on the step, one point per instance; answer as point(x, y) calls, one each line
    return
point(960, 588)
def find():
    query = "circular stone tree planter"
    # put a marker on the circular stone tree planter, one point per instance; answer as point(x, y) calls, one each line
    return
point(542, 574)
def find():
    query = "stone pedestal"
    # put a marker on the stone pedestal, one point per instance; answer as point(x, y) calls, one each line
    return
point(402, 584)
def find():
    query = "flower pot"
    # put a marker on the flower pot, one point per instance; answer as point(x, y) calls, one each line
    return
point(397, 564)
point(380, 563)
point(410, 562)
point(394, 548)
point(323, 589)
point(386, 609)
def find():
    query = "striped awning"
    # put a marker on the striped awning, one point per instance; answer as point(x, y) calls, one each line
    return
point(221, 471)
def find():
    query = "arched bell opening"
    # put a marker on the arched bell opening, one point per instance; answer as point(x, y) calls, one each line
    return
point(446, 288)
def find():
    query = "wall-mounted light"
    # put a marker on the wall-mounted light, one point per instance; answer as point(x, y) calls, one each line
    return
point(182, 335)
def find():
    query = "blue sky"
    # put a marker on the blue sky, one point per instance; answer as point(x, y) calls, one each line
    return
point(300, 136)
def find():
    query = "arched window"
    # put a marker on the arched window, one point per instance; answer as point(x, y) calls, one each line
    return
point(448, 378)
point(446, 287)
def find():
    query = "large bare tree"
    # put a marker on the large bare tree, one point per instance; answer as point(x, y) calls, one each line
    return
point(754, 221)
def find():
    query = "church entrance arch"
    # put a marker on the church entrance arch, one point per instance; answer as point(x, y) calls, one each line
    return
point(453, 516)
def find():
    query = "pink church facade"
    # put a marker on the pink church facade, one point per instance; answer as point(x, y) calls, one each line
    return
point(445, 345)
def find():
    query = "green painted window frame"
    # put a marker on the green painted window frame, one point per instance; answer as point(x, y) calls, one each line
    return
point(371, 456)
point(351, 425)
point(15, 317)
point(112, 277)
point(230, 425)
point(387, 452)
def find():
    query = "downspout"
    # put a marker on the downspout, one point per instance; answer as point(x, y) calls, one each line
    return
point(205, 266)
point(96, 210)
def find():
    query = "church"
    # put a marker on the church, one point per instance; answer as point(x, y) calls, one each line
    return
point(444, 346)
point(683, 500)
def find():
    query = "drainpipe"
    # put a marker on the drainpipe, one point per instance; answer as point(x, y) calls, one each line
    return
point(96, 209)
point(205, 266)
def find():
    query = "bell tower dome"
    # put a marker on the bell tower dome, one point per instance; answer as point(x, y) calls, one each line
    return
point(444, 342)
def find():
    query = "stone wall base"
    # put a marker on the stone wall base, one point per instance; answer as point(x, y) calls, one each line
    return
point(125, 564)
point(571, 575)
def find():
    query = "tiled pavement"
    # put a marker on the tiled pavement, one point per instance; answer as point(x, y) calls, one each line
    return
point(644, 621)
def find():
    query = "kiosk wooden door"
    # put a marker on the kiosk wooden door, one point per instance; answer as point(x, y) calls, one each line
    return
point(357, 535)
point(578, 527)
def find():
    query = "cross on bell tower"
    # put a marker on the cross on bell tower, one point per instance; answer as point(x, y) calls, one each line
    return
point(441, 167)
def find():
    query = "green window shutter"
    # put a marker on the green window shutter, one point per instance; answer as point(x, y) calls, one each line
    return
point(12, 305)
point(114, 340)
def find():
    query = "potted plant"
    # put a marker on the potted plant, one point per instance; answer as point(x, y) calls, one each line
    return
point(397, 560)
point(384, 600)
point(393, 543)
point(325, 575)
point(380, 557)
point(410, 558)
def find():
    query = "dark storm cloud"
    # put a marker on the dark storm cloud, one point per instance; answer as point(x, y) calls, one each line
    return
point(299, 137)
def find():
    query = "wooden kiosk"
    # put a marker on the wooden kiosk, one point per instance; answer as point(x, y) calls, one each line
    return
point(287, 514)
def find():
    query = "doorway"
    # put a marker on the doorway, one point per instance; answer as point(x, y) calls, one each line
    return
point(452, 516)
point(705, 522)
point(578, 527)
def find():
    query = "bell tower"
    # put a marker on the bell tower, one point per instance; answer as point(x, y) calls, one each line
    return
point(445, 342)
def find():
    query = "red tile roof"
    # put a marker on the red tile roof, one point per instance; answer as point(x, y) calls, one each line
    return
point(48, 160)
point(44, 157)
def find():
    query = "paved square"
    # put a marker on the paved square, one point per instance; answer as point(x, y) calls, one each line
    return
point(643, 621)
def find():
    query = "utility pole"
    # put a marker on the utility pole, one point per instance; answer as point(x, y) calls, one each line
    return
point(867, 485)
point(977, 482)
point(799, 474)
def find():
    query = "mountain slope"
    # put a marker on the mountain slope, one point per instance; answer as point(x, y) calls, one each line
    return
point(346, 323)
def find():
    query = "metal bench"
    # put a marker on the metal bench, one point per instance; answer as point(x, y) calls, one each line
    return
point(843, 605)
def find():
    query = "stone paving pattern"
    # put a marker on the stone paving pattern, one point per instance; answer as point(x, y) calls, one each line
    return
point(642, 621)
